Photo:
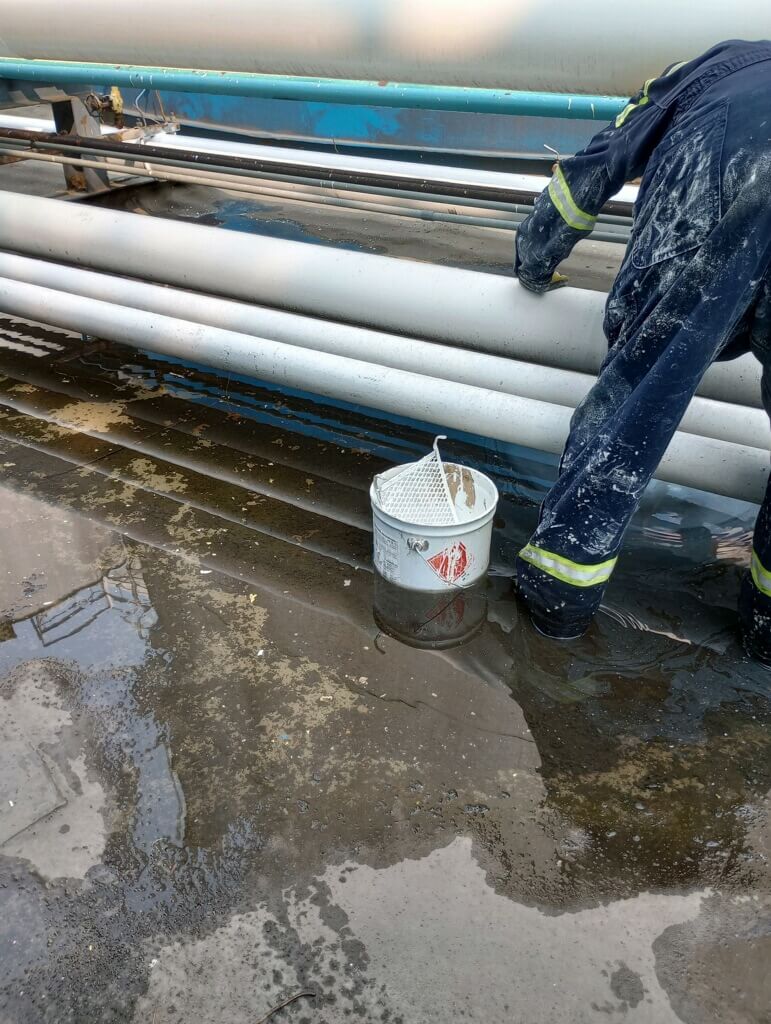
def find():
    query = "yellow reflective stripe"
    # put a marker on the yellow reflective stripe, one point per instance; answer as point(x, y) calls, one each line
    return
point(573, 573)
point(578, 213)
point(675, 67)
point(645, 98)
point(761, 577)
point(628, 110)
point(562, 197)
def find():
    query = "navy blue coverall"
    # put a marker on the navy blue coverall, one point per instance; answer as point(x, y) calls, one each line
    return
point(695, 286)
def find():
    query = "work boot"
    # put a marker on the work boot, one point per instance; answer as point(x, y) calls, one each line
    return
point(557, 611)
point(755, 619)
point(555, 623)
point(557, 631)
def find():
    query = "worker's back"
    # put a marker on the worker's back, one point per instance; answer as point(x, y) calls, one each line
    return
point(714, 132)
point(718, 127)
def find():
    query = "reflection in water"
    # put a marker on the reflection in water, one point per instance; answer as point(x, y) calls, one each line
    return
point(121, 590)
point(429, 621)
point(264, 793)
point(105, 627)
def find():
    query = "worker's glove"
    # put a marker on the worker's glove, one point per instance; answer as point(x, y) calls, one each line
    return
point(529, 282)
point(557, 281)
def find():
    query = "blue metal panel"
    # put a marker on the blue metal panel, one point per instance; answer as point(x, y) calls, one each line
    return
point(19, 93)
point(389, 127)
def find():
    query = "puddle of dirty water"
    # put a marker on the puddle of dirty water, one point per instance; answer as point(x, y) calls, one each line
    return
point(223, 784)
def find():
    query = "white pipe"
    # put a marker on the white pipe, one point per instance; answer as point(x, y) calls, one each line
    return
point(705, 417)
point(553, 45)
point(717, 466)
point(40, 124)
point(484, 312)
point(726, 422)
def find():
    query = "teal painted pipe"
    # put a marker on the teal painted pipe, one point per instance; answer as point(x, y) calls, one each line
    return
point(319, 90)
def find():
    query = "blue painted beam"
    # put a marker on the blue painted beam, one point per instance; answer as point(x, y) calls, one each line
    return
point(441, 131)
point(319, 90)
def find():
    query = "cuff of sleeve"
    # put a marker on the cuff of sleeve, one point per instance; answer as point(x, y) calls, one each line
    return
point(539, 287)
point(533, 284)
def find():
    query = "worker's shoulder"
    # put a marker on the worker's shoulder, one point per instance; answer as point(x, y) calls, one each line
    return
point(685, 82)
point(731, 51)
point(729, 47)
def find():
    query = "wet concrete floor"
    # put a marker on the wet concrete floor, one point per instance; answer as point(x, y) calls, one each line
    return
point(222, 783)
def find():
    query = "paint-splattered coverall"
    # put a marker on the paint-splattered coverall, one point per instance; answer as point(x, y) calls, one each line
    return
point(695, 286)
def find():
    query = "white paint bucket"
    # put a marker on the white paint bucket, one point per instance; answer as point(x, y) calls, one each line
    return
point(436, 558)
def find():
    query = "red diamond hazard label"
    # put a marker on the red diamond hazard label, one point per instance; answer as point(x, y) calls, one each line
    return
point(450, 564)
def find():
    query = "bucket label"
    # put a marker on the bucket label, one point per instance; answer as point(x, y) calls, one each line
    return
point(450, 564)
point(387, 556)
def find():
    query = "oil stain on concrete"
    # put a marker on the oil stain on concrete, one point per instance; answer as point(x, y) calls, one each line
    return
point(223, 785)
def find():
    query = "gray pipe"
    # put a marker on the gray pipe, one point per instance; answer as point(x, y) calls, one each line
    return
point(62, 152)
point(478, 311)
point(476, 179)
point(705, 417)
point(717, 466)
point(554, 45)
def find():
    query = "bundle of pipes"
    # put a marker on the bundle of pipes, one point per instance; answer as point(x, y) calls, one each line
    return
point(256, 169)
point(364, 349)
point(472, 184)
point(395, 202)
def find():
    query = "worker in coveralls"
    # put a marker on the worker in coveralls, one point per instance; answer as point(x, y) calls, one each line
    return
point(695, 286)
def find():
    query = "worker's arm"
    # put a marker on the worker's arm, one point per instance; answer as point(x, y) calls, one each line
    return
point(567, 210)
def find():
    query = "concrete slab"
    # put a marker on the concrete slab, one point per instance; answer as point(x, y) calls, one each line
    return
point(27, 790)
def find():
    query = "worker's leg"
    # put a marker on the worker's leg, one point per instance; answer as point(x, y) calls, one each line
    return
point(755, 598)
point(621, 432)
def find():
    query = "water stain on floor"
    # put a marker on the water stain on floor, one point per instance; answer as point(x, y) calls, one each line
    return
point(223, 784)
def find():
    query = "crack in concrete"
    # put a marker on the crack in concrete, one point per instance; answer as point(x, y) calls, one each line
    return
point(362, 691)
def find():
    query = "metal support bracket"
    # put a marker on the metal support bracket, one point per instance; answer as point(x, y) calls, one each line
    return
point(73, 117)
